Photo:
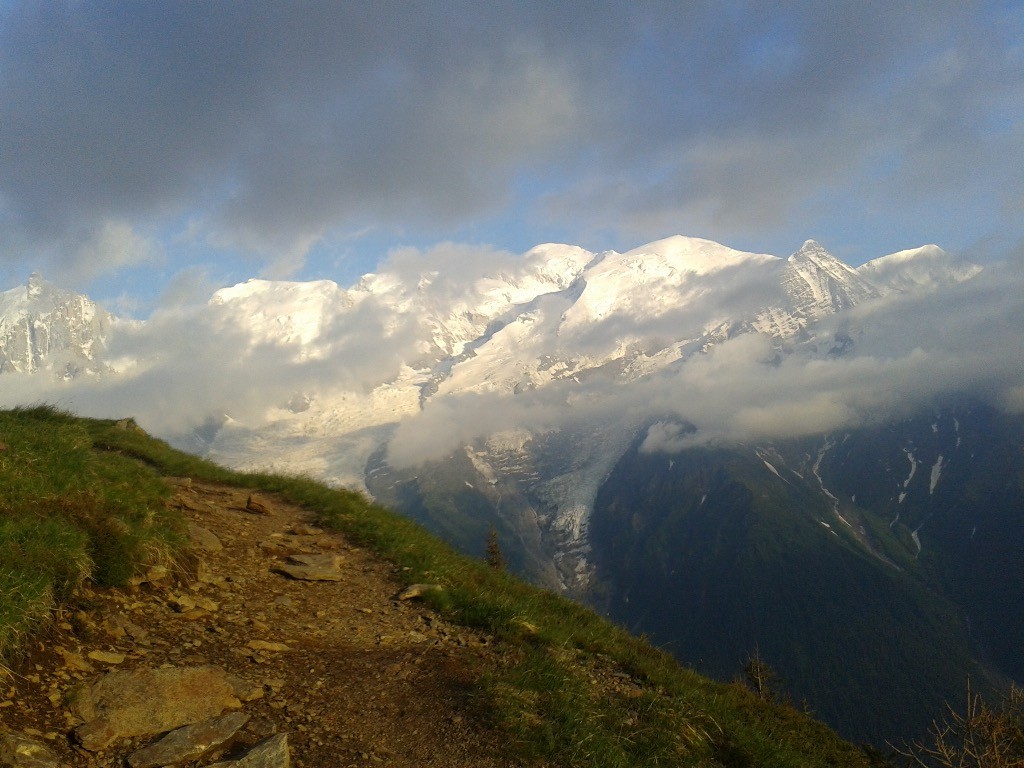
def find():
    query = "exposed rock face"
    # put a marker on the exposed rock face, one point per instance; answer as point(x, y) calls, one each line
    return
point(148, 701)
point(45, 328)
point(819, 284)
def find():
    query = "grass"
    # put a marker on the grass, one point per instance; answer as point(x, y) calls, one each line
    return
point(67, 514)
point(105, 478)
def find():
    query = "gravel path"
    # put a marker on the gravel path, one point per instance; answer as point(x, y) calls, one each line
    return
point(353, 675)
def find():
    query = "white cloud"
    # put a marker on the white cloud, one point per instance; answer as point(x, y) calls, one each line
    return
point(111, 246)
point(665, 437)
point(193, 361)
point(274, 128)
point(908, 353)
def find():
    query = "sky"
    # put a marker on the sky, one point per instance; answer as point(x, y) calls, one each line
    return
point(153, 152)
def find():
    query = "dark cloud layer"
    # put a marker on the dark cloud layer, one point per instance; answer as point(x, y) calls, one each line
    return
point(266, 125)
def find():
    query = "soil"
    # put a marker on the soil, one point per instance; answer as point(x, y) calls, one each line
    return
point(367, 679)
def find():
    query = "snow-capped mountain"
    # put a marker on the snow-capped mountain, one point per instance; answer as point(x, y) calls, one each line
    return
point(559, 319)
point(46, 329)
point(916, 269)
point(679, 414)
point(551, 330)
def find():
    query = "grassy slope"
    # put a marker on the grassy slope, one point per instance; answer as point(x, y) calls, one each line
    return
point(717, 557)
point(80, 510)
point(67, 513)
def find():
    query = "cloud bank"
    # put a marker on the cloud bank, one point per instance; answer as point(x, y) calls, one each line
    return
point(238, 358)
point(269, 129)
point(908, 353)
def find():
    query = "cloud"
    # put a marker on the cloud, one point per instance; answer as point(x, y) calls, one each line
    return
point(664, 437)
point(270, 124)
point(446, 425)
point(192, 361)
point(112, 246)
point(854, 118)
point(188, 287)
point(274, 127)
point(909, 352)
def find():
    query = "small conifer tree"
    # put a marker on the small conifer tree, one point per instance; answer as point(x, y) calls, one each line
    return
point(761, 678)
point(495, 558)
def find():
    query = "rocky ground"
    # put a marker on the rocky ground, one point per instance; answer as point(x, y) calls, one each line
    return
point(284, 643)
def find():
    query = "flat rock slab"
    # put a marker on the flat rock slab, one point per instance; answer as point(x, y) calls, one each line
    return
point(266, 645)
point(204, 538)
point(322, 567)
point(269, 753)
point(414, 591)
point(189, 742)
point(20, 751)
point(147, 701)
point(107, 657)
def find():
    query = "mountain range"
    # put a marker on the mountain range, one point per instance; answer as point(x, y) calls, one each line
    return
point(729, 451)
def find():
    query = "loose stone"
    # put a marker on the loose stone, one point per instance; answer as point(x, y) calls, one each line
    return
point(17, 750)
point(189, 742)
point(107, 657)
point(417, 590)
point(269, 753)
point(147, 701)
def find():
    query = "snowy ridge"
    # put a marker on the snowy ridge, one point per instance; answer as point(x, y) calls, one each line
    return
point(458, 328)
point(924, 268)
point(46, 329)
point(284, 312)
point(651, 280)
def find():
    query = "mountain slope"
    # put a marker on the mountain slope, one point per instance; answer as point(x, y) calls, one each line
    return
point(504, 392)
point(526, 676)
point(720, 553)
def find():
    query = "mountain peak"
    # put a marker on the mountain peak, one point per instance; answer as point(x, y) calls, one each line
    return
point(820, 284)
point(36, 285)
point(926, 267)
point(692, 254)
point(43, 327)
point(815, 252)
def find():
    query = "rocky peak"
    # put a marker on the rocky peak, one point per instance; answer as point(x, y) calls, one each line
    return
point(35, 286)
point(45, 328)
point(813, 252)
point(819, 284)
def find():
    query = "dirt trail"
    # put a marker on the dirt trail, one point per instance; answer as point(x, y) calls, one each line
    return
point(367, 679)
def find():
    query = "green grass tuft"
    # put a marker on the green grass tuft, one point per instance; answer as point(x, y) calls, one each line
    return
point(68, 514)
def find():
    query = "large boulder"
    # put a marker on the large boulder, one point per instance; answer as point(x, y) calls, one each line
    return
point(143, 702)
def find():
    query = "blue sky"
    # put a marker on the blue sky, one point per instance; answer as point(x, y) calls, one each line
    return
point(151, 152)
